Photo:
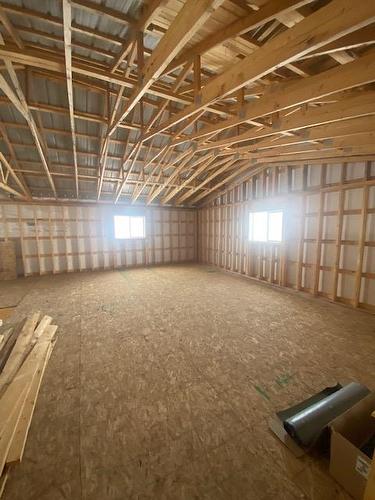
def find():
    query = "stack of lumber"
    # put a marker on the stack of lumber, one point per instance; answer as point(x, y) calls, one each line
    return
point(25, 350)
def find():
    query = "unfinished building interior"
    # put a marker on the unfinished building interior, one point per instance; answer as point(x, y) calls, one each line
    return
point(187, 249)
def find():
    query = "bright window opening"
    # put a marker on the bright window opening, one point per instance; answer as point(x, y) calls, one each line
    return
point(266, 226)
point(129, 227)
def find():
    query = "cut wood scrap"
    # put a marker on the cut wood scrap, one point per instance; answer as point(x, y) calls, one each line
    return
point(48, 334)
point(7, 349)
point(19, 351)
point(44, 322)
point(4, 336)
point(18, 443)
point(14, 398)
point(24, 376)
point(3, 480)
point(9, 430)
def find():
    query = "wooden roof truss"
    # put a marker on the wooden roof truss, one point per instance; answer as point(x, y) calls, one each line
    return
point(169, 103)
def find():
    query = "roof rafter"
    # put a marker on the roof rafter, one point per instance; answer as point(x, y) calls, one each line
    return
point(171, 103)
point(4, 162)
point(236, 28)
point(20, 103)
point(283, 96)
point(10, 28)
point(140, 25)
point(337, 19)
point(67, 15)
point(190, 18)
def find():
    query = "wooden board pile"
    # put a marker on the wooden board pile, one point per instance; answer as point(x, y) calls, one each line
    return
point(24, 353)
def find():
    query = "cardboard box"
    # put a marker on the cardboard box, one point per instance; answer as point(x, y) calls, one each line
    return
point(349, 432)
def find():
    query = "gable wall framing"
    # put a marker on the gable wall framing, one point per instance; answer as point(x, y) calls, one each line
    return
point(57, 238)
point(328, 246)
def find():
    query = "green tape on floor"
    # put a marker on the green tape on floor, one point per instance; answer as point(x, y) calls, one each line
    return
point(284, 379)
point(262, 392)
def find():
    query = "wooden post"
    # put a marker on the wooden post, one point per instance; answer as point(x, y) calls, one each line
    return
point(301, 245)
point(318, 252)
point(37, 240)
point(20, 224)
point(339, 226)
point(361, 246)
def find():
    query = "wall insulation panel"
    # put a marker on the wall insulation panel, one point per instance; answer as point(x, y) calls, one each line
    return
point(59, 238)
point(328, 246)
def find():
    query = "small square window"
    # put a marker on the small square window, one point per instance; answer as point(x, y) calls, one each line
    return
point(129, 227)
point(266, 226)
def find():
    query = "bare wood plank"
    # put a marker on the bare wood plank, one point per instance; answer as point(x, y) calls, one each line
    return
point(67, 17)
point(19, 351)
point(361, 246)
point(306, 36)
point(190, 18)
point(238, 27)
point(18, 443)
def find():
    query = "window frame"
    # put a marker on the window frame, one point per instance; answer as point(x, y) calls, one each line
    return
point(130, 237)
point(275, 210)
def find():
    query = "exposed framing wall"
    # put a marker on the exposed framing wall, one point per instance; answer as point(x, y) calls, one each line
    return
point(68, 238)
point(329, 230)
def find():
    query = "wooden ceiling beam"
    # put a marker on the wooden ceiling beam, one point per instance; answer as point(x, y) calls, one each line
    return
point(57, 21)
point(319, 133)
point(195, 173)
point(348, 142)
point(359, 38)
point(164, 152)
point(292, 18)
point(246, 176)
point(67, 16)
point(303, 157)
point(19, 101)
point(189, 19)
point(10, 28)
point(344, 109)
point(290, 94)
point(112, 118)
point(21, 182)
point(30, 58)
point(49, 130)
point(60, 39)
point(177, 171)
point(4, 162)
point(157, 115)
point(333, 21)
point(242, 25)
point(146, 17)
point(190, 192)
point(93, 154)
point(90, 178)
point(241, 167)
point(10, 190)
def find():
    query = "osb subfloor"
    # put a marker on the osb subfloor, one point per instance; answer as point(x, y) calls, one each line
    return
point(163, 379)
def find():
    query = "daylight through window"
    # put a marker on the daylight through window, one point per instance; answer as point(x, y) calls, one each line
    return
point(266, 226)
point(129, 227)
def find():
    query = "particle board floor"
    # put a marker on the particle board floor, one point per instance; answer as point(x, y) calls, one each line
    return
point(163, 379)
